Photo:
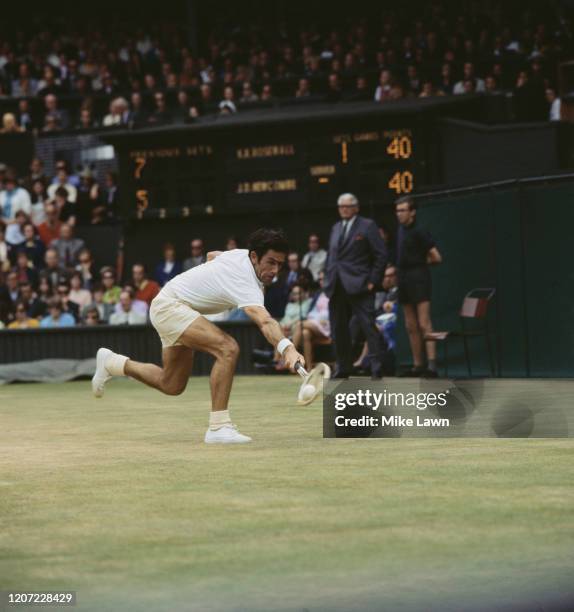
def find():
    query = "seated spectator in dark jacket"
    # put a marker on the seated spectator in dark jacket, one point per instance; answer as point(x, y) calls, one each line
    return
point(138, 115)
point(53, 271)
point(68, 247)
point(161, 114)
point(33, 246)
point(87, 269)
point(25, 269)
point(109, 199)
point(9, 293)
point(169, 267)
point(35, 307)
point(63, 291)
point(66, 209)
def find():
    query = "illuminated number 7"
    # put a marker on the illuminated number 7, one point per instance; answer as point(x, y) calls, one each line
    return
point(140, 163)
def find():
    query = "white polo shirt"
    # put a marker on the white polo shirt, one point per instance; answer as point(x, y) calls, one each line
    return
point(228, 281)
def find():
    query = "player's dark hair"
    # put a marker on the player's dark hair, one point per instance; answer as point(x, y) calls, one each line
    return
point(265, 239)
point(406, 200)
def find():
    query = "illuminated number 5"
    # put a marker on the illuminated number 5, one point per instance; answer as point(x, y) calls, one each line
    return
point(402, 182)
point(141, 197)
point(140, 163)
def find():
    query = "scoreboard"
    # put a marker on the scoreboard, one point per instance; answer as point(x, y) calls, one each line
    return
point(183, 171)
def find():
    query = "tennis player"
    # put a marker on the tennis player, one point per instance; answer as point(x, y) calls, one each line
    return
point(232, 279)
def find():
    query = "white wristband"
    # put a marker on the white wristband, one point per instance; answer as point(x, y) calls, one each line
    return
point(283, 344)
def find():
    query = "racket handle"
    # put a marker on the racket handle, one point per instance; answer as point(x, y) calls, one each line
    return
point(301, 370)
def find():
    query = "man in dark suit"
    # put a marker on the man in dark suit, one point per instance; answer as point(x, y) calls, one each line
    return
point(355, 266)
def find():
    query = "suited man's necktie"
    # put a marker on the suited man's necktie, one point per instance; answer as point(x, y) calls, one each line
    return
point(344, 231)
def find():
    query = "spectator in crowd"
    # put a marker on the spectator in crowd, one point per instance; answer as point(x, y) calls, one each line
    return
point(5, 249)
point(197, 255)
point(25, 270)
point(21, 318)
point(146, 289)
point(10, 292)
point(45, 292)
point(91, 317)
point(63, 182)
point(127, 315)
point(66, 208)
point(86, 120)
point(38, 198)
point(57, 318)
point(36, 173)
point(137, 305)
point(296, 310)
point(555, 112)
point(231, 243)
point(138, 115)
point(104, 310)
point(35, 307)
point(25, 85)
point(161, 114)
point(469, 75)
point(315, 329)
point(383, 90)
point(33, 246)
point(110, 200)
point(78, 295)
point(89, 208)
point(297, 274)
point(15, 230)
point(10, 125)
point(169, 267)
point(248, 95)
point(58, 119)
point(63, 292)
point(67, 246)
point(119, 113)
point(303, 88)
point(13, 199)
point(50, 229)
point(111, 290)
point(226, 107)
point(53, 271)
point(87, 269)
point(356, 264)
point(315, 258)
point(24, 116)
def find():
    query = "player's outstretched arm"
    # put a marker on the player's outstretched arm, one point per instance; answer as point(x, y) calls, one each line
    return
point(274, 335)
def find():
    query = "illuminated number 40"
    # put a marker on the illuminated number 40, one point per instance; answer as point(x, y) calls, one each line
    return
point(402, 182)
point(400, 147)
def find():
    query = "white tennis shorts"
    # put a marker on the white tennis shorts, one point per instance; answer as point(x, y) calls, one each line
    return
point(171, 317)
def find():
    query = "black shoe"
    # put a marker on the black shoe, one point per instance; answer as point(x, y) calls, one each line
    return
point(430, 373)
point(340, 374)
point(412, 373)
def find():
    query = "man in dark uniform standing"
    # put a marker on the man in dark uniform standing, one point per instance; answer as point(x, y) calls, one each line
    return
point(416, 251)
point(355, 266)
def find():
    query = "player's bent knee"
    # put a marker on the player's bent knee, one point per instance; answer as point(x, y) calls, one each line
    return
point(229, 349)
point(174, 388)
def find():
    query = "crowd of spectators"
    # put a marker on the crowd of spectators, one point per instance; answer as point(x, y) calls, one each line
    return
point(127, 77)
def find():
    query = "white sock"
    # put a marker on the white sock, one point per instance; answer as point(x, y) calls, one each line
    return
point(115, 364)
point(219, 419)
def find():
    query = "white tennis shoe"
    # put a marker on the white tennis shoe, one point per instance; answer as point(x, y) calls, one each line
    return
point(102, 375)
point(225, 435)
